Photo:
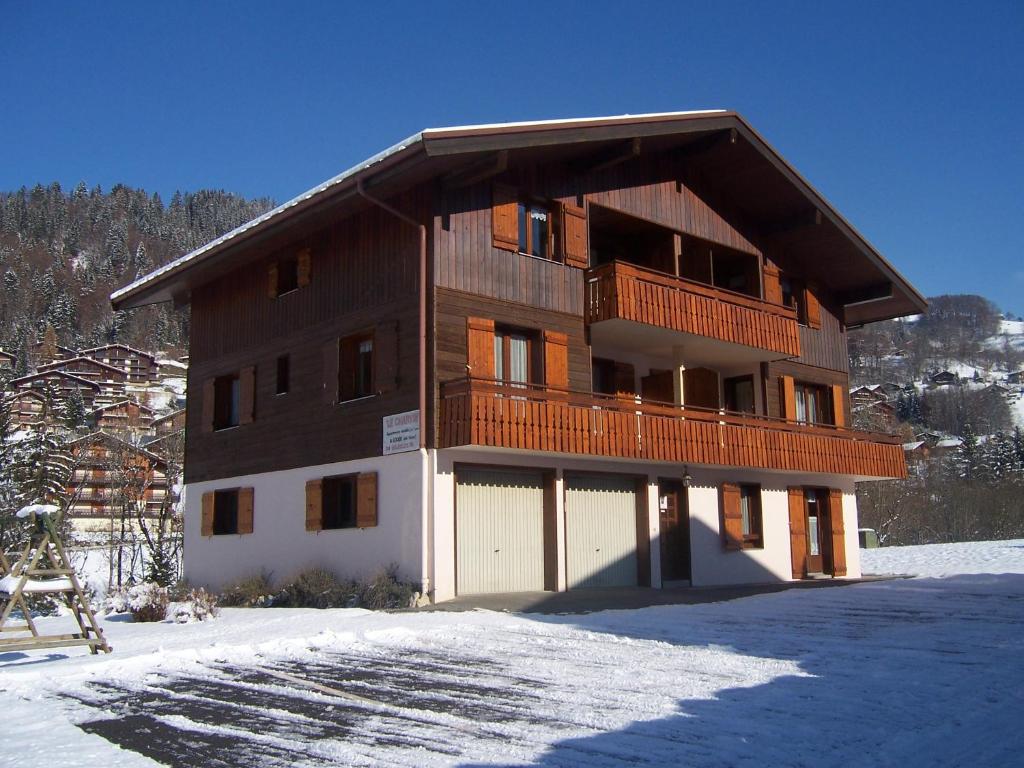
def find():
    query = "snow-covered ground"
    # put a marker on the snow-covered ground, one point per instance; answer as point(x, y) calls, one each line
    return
point(923, 671)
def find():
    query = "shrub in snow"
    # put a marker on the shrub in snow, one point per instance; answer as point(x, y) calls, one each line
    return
point(318, 588)
point(252, 592)
point(197, 605)
point(387, 590)
point(148, 602)
point(116, 602)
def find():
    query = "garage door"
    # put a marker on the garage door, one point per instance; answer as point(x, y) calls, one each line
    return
point(499, 531)
point(600, 531)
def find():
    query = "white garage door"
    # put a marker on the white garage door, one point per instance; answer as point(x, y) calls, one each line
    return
point(499, 531)
point(600, 531)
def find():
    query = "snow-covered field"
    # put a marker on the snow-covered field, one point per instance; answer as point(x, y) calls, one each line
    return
point(923, 671)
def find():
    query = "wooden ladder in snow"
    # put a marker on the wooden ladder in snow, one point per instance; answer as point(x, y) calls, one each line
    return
point(43, 568)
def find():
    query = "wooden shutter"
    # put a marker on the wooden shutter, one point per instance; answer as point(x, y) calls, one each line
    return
point(556, 360)
point(505, 217)
point(314, 505)
point(788, 387)
point(574, 236)
point(700, 388)
point(207, 521)
point(732, 517)
point(330, 383)
point(304, 267)
point(835, 515)
point(813, 308)
point(772, 285)
point(480, 347)
point(209, 400)
point(797, 532)
point(625, 381)
point(366, 500)
point(245, 505)
point(247, 395)
point(272, 281)
point(838, 395)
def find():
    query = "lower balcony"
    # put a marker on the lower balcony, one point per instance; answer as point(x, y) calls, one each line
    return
point(487, 413)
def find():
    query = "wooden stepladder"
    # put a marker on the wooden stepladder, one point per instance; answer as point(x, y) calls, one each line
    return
point(43, 568)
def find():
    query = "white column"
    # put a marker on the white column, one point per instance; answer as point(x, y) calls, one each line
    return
point(562, 580)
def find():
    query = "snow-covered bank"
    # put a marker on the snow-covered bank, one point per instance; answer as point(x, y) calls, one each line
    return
point(941, 560)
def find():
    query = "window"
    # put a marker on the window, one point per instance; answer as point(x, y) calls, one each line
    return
point(793, 295)
point(287, 275)
point(513, 356)
point(813, 403)
point(355, 367)
point(750, 514)
point(536, 231)
point(339, 502)
point(225, 512)
point(739, 394)
point(226, 401)
point(283, 375)
point(603, 378)
point(342, 501)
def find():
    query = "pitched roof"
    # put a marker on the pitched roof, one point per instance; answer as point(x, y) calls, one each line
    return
point(55, 372)
point(425, 155)
point(133, 350)
point(57, 365)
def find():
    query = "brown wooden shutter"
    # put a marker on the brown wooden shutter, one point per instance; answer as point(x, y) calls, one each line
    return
point(209, 399)
point(207, 521)
point(797, 532)
point(835, 514)
point(304, 267)
point(330, 383)
point(574, 236)
point(788, 401)
point(245, 506)
point(625, 381)
point(505, 217)
point(732, 517)
point(556, 360)
point(314, 505)
point(772, 285)
point(813, 308)
point(366, 500)
point(247, 395)
point(272, 281)
point(480, 347)
point(838, 396)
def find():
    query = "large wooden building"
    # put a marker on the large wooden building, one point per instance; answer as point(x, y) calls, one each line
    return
point(534, 356)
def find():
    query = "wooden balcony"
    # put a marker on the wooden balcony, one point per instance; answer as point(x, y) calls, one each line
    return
point(620, 291)
point(487, 413)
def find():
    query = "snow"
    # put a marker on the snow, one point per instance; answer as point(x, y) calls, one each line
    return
point(922, 671)
point(9, 583)
point(37, 509)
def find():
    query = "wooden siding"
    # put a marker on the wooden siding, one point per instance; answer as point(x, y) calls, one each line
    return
point(487, 414)
point(628, 292)
point(825, 347)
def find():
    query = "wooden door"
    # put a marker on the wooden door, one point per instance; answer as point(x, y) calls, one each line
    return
point(657, 387)
point(700, 388)
point(815, 503)
point(674, 527)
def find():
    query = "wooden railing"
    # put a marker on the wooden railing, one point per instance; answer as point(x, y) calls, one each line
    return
point(628, 292)
point(488, 413)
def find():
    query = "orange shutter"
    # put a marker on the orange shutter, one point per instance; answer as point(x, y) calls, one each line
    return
point(797, 532)
point(574, 236)
point(247, 395)
point(556, 360)
point(480, 347)
point(304, 267)
point(209, 397)
point(838, 396)
point(835, 514)
point(207, 521)
point(813, 309)
point(788, 397)
point(505, 217)
point(732, 517)
point(772, 286)
point(366, 500)
point(272, 281)
point(625, 381)
point(330, 383)
point(245, 505)
point(314, 505)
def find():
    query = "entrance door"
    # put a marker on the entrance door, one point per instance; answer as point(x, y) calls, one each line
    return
point(674, 529)
point(815, 505)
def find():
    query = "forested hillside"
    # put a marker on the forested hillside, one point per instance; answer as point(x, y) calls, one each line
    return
point(62, 253)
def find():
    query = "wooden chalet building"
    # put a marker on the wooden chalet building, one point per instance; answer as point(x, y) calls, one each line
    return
point(138, 366)
point(534, 356)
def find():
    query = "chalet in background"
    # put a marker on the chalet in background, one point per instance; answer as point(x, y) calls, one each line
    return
point(534, 356)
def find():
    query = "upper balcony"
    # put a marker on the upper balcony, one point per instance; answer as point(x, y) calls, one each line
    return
point(638, 307)
point(478, 412)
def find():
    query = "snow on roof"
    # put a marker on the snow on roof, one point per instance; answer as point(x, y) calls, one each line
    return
point(913, 446)
point(59, 364)
point(164, 363)
point(949, 442)
point(118, 346)
point(54, 372)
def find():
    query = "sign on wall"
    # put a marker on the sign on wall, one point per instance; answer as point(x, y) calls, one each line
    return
point(401, 432)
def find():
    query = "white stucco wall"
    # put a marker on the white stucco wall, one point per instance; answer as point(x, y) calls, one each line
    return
point(280, 544)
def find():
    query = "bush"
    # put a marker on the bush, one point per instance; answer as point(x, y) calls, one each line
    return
point(318, 588)
point(196, 605)
point(252, 592)
point(386, 590)
point(116, 602)
point(148, 602)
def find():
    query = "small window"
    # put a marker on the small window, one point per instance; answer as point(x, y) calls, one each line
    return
point(793, 295)
point(287, 275)
point(339, 502)
point(535, 230)
point(603, 379)
point(739, 394)
point(225, 512)
point(226, 401)
point(356, 367)
point(813, 403)
point(750, 511)
point(514, 351)
point(283, 375)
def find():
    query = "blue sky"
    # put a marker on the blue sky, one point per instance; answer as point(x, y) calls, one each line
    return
point(907, 116)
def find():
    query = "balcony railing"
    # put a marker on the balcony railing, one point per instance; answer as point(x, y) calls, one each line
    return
point(488, 413)
point(628, 292)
